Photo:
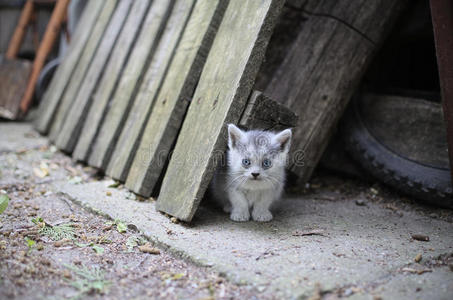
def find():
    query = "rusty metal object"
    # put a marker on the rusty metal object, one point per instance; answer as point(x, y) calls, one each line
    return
point(442, 17)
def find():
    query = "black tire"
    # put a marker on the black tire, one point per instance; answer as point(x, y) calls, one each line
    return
point(429, 184)
point(45, 77)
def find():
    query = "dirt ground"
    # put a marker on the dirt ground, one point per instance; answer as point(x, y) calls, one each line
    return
point(88, 257)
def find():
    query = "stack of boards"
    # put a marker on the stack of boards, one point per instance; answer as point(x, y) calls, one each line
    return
point(146, 88)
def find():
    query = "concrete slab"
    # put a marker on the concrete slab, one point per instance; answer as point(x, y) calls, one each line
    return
point(365, 247)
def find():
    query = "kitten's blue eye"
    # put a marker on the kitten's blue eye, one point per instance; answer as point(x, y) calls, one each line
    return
point(246, 162)
point(267, 163)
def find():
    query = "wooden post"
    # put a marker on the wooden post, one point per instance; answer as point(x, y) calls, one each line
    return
point(19, 32)
point(442, 16)
point(324, 67)
point(52, 32)
point(220, 98)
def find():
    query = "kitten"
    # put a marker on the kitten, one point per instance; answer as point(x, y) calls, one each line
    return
point(254, 175)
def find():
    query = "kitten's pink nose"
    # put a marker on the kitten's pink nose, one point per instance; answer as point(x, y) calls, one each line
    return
point(255, 175)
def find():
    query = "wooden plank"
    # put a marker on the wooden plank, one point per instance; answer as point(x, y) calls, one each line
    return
point(80, 70)
point(324, 67)
point(442, 16)
point(264, 113)
point(220, 98)
point(72, 126)
point(124, 96)
point(13, 80)
point(52, 97)
point(112, 73)
point(171, 103)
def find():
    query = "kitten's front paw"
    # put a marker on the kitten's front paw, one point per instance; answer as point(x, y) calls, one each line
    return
point(262, 216)
point(240, 216)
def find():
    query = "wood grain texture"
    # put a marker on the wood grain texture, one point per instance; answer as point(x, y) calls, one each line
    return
point(57, 86)
point(264, 113)
point(131, 133)
point(74, 120)
point(220, 98)
point(171, 103)
point(107, 84)
point(13, 80)
point(124, 95)
point(324, 67)
point(81, 68)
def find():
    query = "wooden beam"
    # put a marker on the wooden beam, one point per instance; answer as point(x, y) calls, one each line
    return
point(81, 68)
point(102, 95)
point(170, 104)
point(442, 16)
point(220, 97)
point(74, 120)
point(52, 97)
point(324, 67)
point(130, 80)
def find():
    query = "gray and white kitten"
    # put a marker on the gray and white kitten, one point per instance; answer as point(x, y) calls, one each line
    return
point(254, 175)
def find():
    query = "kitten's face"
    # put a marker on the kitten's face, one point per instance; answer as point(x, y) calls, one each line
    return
point(257, 158)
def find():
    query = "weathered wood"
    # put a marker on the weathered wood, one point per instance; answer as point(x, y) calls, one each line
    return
point(171, 103)
point(13, 80)
point(112, 73)
point(130, 79)
point(264, 113)
point(52, 97)
point(324, 67)
point(157, 72)
point(72, 126)
point(81, 68)
point(220, 98)
point(442, 16)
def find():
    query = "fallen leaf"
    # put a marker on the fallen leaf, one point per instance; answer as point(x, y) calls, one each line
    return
point(148, 249)
point(418, 257)
point(4, 200)
point(121, 227)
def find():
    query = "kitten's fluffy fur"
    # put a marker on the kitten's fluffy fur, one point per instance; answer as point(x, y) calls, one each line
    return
point(254, 175)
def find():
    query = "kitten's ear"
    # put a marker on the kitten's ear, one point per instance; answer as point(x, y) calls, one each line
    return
point(283, 138)
point(234, 135)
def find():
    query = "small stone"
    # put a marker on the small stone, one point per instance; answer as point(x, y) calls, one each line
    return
point(418, 257)
point(420, 237)
point(360, 202)
point(67, 274)
point(40, 246)
point(61, 242)
point(108, 193)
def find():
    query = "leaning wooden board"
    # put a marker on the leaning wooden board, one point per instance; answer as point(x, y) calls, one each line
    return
point(106, 86)
point(324, 66)
point(124, 96)
point(70, 130)
point(220, 98)
point(52, 97)
point(153, 78)
point(170, 105)
point(81, 68)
